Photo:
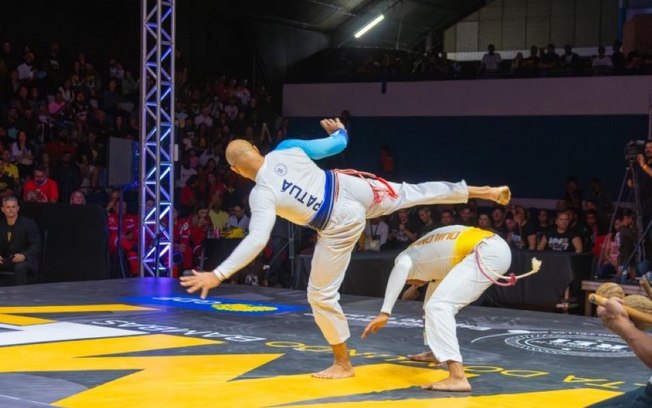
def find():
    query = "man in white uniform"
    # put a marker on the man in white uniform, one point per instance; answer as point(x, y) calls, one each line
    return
point(462, 260)
point(334, 203)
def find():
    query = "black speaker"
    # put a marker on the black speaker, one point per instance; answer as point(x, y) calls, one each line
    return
point(123, 162)
point(74, 240)
point(214, 251)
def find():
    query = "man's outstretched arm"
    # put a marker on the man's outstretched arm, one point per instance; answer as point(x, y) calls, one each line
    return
point(263, 217)
point(320, 148)
point(397, 279)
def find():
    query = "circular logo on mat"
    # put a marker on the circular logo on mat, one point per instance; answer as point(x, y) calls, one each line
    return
point(243, 307)
point(571, 344)
point(281, 169)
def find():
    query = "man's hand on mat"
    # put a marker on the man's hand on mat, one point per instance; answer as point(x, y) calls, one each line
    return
point(200, 280)
point(375, 324)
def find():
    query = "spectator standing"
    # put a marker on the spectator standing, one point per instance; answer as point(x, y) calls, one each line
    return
point(68, 177)
point(569, 59)
point(602, 63)
point(516, 66)
point(375, 234)
point(531, 63)
point(491, 60)
point(618, 60)
point(550, 60)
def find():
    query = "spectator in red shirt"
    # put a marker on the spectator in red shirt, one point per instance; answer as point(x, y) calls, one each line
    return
point(188, 196)
point(182, 242)
point(200, 225)
point(40, 188)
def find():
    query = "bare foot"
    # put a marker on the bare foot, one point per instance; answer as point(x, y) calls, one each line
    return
point(334, 372)
point(425, 357)
point(450, 385)
point(502, 195)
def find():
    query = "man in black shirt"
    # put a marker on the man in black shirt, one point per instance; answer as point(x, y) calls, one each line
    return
point(561, 238)
point(642, 183)
point(20, 243)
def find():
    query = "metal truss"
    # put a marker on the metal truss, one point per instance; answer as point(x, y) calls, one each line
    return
point(157, 137)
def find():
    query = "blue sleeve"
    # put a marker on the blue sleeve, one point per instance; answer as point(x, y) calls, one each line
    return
point(319, 148)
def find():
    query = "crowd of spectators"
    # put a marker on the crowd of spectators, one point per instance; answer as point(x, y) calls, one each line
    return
point(579, 224)
point(540, 61)
point(57, 117)
point(586, 224)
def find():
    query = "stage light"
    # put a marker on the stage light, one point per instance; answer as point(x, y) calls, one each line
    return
point(369, 26)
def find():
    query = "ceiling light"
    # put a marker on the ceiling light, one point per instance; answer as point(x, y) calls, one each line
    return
point(369, 26)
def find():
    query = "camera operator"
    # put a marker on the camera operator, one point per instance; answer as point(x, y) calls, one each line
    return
point(642, 182)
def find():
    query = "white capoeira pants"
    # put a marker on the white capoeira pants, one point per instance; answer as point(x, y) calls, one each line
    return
point(461, 286)
point(355, 203)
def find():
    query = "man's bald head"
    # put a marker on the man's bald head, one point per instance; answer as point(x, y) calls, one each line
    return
point(244, 158)
point(239, 149)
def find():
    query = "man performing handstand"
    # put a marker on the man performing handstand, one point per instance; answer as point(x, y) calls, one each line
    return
point(464, 261)
point(334, 203)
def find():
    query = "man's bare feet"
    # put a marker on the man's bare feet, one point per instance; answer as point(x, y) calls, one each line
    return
point(449, 384)
point(425, 357)
point(502, 195)
point(335, 371)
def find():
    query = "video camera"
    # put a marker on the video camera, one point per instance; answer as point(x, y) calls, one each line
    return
point(633, 148)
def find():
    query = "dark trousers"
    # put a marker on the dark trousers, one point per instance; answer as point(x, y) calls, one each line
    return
point(21, 271)
point(639, 398)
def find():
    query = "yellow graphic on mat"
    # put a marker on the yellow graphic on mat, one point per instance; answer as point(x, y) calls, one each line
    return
point(243, 307)
point(200, 377)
